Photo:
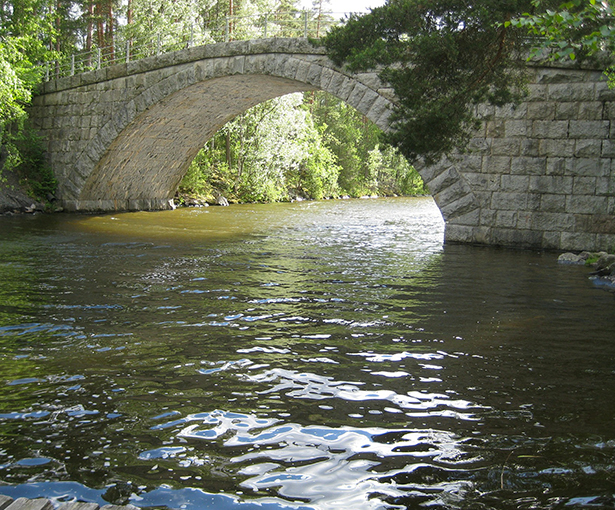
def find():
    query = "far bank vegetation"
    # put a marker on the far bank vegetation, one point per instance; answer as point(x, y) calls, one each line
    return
point(299, 146)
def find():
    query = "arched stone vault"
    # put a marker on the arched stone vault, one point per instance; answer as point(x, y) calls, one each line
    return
point(149, 158)
point(122, 137)
point(541, 174)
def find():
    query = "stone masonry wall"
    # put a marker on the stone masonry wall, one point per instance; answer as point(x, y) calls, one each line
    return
point(121, 138)
point(541, 175)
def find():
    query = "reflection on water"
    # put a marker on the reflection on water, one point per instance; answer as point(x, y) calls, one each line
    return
point(317, 355)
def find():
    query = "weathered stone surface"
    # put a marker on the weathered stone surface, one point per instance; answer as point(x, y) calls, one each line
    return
point(578, 241)
point(595, 223)
point(515, 183)
point(78, 505)
point(606, 261)
point(5, 501)
point(571, 258)
point(594, 129)
point(561, 184)
point(30, 504)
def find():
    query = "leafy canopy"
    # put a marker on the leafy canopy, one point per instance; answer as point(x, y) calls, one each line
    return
point(442, 58)
point(577, 28)
point(22, 47)
point(18, 76)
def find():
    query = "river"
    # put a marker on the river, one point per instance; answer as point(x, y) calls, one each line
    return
point(314, 355)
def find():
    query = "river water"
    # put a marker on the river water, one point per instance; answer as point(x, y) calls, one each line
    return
point(315, 355)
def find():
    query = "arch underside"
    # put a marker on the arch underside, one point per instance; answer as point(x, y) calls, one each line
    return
point(145, 163)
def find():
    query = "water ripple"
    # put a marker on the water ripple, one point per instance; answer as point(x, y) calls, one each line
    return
point(304, 385)
point(332, 467)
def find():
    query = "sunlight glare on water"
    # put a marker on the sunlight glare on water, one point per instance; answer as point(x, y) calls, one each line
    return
point(316, 355)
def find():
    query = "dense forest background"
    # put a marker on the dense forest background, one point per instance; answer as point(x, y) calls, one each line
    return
point(299, 146)
point(309, 145)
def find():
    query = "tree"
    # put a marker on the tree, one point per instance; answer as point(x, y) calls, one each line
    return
point(15, 86)
point(14, 93)
point(271, 152)
point(442, 57)
point(20, 49)
point(350, 136)
point(578, 28)
point(311, 146)
point(391, 174)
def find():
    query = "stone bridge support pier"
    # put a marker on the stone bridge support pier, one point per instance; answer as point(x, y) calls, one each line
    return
point(538, 175)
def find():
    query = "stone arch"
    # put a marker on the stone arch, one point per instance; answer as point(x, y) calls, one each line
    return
point(539, 175)
point(145, 162)
point(121, 138)
point(137, 157)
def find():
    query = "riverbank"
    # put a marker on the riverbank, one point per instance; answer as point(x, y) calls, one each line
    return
point(14, 198)
point(195, 200)
point(601, 263)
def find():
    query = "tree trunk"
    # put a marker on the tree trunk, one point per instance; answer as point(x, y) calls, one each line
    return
point(109, 34)
point(100, 25)
point(58, 27)
point(228, 150)
point(89, 31)
point(318, 18)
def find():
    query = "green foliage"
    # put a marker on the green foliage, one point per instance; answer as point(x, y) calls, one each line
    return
point(14, 90)
point(22, 154)
point(313, 146)
point(20, 150)
point(35, 172)
point(22, 47)
point(18, 76)
point(318, 176)
point(367, 166)
point(392, 174)
point(350, 137)
point(577, 28)
point(442, 57)
point(270, 153)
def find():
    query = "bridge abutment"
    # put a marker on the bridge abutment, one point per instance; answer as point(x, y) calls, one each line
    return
point(541, 173)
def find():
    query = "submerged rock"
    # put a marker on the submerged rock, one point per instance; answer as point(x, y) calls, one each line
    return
point(603, 264)
point(119, 493)
point(606, 265)
point(571, 258)
point(604, 282)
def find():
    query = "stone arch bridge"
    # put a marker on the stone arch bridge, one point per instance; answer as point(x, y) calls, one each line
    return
point(539, 175)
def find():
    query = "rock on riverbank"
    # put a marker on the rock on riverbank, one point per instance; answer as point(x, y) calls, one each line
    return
point(602, 264)
point(13, 198)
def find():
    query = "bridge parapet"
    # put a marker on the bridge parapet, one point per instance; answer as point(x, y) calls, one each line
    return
point(206, 52)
